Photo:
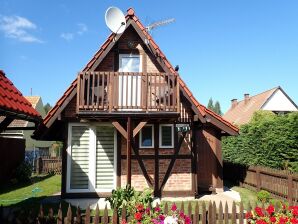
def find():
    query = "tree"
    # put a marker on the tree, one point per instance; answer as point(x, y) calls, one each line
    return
point(217, 108)
point(47, 107)
point(210, 104)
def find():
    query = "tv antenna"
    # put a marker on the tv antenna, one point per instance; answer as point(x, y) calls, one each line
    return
point(152, 26)
point(115, 20)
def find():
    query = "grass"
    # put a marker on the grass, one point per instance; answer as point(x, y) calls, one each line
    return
point(11, 194)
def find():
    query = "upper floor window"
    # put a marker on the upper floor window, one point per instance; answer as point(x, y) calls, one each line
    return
point(130, 63)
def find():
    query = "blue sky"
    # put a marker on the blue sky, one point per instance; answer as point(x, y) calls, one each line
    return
point(224, 48)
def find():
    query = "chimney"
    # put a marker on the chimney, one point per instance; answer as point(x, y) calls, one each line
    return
point(234, 103)
point(246, 98)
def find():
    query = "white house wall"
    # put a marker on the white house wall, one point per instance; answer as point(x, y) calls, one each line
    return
point(279, 102)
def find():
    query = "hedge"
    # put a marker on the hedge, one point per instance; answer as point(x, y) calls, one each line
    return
point(268, 140)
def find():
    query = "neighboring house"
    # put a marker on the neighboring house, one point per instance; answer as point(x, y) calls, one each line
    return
point(12, 106)
point(43, 147)
point(128, 118)
point(275, 100)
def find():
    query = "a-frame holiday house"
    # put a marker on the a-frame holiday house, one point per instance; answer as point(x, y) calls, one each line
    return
point(128, 118)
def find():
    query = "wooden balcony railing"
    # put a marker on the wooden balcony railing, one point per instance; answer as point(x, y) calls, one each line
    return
point(123, 91)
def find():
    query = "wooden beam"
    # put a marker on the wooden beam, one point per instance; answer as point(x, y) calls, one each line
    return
point(120, 129)
point(128, 150)
point(171, 165)
point(156, 161)
point(138, 128)
point(141, 164)
point(5, 123)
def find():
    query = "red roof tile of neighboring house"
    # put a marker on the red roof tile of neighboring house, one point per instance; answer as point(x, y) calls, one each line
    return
point(12, 100)
point(131, 15)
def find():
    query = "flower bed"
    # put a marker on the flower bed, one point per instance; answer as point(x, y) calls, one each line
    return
point(156, 216)
point(283, 215)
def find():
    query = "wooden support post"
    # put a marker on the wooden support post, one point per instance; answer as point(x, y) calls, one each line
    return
point(157, 192)
point(194, 160)
point(128, 150)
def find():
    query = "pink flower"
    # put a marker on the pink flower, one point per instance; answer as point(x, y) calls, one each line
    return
point(182, 215)
point(157, 209)
point(187, 220)
point(123, 221)
point(174, 207)
point(147, 211)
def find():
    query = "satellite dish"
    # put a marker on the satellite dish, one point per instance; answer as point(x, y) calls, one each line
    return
point(115, 20)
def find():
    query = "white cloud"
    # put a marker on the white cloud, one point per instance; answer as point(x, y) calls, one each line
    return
point(17, 27)
point(82, 28)
point(67, 36)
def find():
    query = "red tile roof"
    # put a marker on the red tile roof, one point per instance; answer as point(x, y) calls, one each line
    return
point(11, 99)
point(131, 15)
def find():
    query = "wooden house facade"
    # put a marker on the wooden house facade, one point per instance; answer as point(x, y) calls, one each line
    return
point(128, 118)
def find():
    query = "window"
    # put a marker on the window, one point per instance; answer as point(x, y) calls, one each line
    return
point(130, 63)
point(146, 137)
point(166, 136)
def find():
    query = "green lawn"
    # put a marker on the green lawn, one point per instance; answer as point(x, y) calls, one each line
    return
point(11, 194)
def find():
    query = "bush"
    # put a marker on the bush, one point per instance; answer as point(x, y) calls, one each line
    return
point(24, 172)
point(128, 198)
point(268, 140)
point(263, 196)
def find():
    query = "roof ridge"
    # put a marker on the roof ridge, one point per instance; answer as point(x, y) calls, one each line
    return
point(262, 93)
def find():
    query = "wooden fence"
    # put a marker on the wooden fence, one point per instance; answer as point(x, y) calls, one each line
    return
point(280, 183)
point(199, 213)
point(48, 165)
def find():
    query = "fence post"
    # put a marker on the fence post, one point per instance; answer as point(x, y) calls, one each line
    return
point(258, 178)
point(290, 189)
point(39, 165)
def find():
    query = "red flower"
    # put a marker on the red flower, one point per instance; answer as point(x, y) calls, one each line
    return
point(294, 210)
point(187, 220)
point(294, 221)
point(182, 215)
point(174, 207)
point(259, 211)
point(272, 219)
point(140, 207)
point(283, 220)
point(248, 215)
point(261, 222)
point(138, 216)
point(161, 217)
point(123, 221)
point(147, 211)
point(270, 209)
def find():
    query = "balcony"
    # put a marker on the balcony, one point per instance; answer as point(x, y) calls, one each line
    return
point(125, 92)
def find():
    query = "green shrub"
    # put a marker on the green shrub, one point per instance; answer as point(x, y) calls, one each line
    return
point(128, 198)
point(24, 172)
point(267, 140)
point(263, 196)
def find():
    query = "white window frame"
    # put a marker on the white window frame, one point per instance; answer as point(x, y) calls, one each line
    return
point(130, 56)
point(92, 158)
point(160, 136)
point(140, 137)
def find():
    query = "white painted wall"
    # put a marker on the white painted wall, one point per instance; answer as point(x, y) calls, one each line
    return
point(279, 102)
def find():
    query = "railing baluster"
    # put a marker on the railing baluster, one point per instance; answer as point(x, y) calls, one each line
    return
point(92, 89)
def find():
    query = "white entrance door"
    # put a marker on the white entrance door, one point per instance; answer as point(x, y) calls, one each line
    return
point(129, 86)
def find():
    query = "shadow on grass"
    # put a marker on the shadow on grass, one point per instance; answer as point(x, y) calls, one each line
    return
point(9, 186)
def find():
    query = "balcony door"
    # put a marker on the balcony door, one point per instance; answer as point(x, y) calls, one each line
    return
point(130, 84)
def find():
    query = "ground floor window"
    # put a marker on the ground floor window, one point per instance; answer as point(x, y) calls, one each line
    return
point(166, 135)
point(91, 158)
point(147, 136)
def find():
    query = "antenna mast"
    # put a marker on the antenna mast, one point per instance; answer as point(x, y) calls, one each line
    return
point(159, 23)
